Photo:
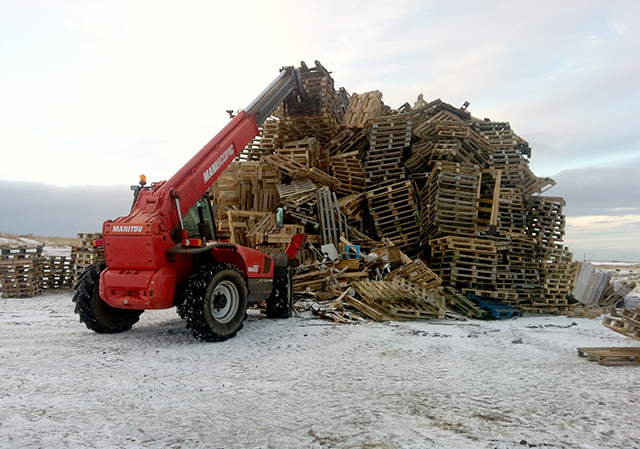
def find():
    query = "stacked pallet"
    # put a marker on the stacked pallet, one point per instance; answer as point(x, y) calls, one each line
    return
point(348, 169)
point(256, 186)
point(362, 108)
point(245, 185)
point(511, 211)
point(58, 272)
point(449, 201)
point(545, 223)
point(395, 214)
point(388, 138)
point(87, 253)
point(20, 271)
point(469, 264)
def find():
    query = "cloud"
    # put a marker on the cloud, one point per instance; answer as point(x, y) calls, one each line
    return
point(599, 191)
point(46, 210)
point(94, 83)
point(604, 237)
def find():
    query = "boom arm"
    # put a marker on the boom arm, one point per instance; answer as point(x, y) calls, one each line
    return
point(197, 175)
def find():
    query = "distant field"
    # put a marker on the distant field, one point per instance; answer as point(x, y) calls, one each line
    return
point(26, 239)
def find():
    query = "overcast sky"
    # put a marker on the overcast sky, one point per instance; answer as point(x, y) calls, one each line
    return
point(94, 93)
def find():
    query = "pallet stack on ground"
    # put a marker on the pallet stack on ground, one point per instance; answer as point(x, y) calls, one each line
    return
point(469, 264)
point(546, 223)
point(518, 282)
point(58, 272)
point(86, 254)
point(20, 271)
point(555, 275)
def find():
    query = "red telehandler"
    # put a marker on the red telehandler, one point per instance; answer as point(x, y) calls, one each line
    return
point(158, 256)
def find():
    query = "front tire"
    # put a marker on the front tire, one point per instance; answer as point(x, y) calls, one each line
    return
point(96, 314)
point(215, 302)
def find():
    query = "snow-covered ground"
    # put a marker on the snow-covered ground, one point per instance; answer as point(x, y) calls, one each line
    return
point(305, 383)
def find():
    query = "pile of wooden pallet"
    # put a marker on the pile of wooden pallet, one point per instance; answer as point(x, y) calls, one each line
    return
point(86, 253)
point(21, 271)
point(442, 186)
point(58, 272)
point(26, 272)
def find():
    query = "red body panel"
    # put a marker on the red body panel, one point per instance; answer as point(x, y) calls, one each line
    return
point(139, 275)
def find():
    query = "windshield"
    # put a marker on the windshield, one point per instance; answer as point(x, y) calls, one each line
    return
point(198, 221)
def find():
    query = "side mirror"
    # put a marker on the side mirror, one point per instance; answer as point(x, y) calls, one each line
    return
point(279, 217)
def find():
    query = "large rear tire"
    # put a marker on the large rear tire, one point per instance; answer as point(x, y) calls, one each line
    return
point(280, 303)
point(96, 314)
point(215, 302)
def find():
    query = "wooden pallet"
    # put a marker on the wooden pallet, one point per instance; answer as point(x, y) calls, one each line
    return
point(362, 108)
point(417, 272)
point(611, 356)
point(348, 169)
point(346, 141)
point(296, 170)
point(623, 326)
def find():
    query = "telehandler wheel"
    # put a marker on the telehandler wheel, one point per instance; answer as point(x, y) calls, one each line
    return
point(96, 314)
point(280, 303)
point(215, 303)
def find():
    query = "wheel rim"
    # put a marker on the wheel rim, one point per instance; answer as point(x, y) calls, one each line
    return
point(225, 300)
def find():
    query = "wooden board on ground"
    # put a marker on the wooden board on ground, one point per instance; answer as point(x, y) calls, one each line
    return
point(611, 356)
